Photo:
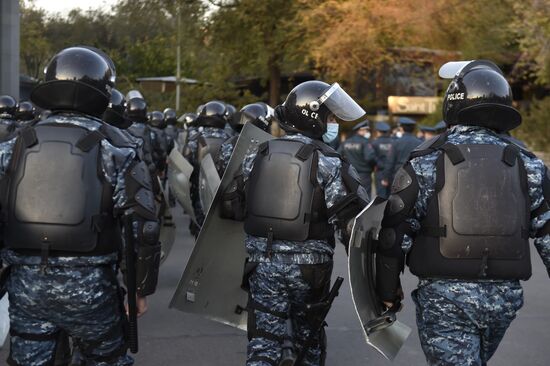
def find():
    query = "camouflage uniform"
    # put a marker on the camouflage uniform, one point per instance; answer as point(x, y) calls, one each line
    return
point(190, 153)
point(7, 127)
point(225, 154)
point(79, 295)
point(462, 322)
point(294, 274)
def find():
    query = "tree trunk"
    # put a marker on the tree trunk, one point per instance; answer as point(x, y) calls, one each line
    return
point(274, 89)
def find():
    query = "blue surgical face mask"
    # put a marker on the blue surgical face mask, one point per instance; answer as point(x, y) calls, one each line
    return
point(332, 132)
point(367, 135)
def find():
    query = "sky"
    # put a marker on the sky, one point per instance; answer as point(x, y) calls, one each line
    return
point(63, 6)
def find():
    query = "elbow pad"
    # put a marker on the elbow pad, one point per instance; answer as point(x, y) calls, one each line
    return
point(404, 192)
point(147, 269)
point(139, 189)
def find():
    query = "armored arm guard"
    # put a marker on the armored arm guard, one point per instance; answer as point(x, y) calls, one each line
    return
point(141, 200)
point(390, 257)
point(148, 258)
point(350, 205)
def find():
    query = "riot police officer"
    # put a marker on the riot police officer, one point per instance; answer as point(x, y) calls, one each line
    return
point(259, 114)
point(406, 141)
point(463, 208)
point(136, 112)
point(383, 147)
point(63, 255)
point(171, 131)
point(290, 231)
point(189, 128)
point(8, 108)
point(157, 124)
point(212, 119)
point(358, 150)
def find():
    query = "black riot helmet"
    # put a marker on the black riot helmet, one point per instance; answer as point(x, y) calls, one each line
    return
point(136, 107)
point(478, 95)
point(157, 119)
point(170, 116)
point(25, 111)
point(230, 113)
point(115, 114)
point(8, 106)
point(76, 79)
point(188, 119)
point(212, 114)
point(309, 105)
point(259, 114)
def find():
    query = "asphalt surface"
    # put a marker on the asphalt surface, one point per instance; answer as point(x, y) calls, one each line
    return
point(170, 337)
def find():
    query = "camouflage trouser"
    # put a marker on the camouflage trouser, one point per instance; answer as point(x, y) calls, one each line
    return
point(462, 323)
point(277, 290)
point(85, 302)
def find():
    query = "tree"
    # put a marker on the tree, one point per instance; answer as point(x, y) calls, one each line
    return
point(36, 47)
point(258, 39)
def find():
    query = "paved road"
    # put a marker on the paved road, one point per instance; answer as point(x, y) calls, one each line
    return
point(170, 337)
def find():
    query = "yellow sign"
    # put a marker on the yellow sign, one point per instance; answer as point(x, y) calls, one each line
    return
point(412, 105)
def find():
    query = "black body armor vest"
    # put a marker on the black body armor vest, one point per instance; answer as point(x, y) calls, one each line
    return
point(284, 200)
point(56, 200)
point(477, 222)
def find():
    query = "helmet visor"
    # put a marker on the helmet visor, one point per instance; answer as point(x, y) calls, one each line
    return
point(341, 104)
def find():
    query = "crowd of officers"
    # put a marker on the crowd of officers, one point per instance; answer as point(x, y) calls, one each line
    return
point(108, 153)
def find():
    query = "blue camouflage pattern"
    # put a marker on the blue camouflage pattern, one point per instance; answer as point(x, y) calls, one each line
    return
point(77, 294)
point(462, 322)
point(281, 288)
point(278, 283)
point(226, 149)
point(330, 179)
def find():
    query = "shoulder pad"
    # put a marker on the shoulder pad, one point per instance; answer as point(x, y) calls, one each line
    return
point(428, 146)
point(139, 175)
point(401, 181)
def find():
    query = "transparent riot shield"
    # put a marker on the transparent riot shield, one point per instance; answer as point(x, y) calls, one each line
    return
point(211, 283)
point(381, 328)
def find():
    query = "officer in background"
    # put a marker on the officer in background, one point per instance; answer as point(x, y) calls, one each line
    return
point(426, 132)
point(189, 128)
point(440, 127)
point(463, 208)
point(383, 147)
point(25, 114)
point(136, 112)
point(63, 255)
point(208, 140)
point(171, 131)
point(8, 108)
point(358, 150)
point(259, 114)
point(290, 259)
point(406, 141)
point(159, 144)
